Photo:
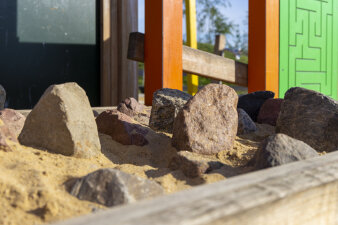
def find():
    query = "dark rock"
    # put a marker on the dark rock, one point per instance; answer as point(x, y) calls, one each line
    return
point(13, 119)
point(165, 107)
point(245, 123)
point(311, 117)
point(269, 112)
point(208, 122)
point(6, 134)
point(192, 165)
point(112, 187)
point(121, 128)
point(281, 149)
point(2, 97)
point(63, 122)
point(251, 103)
point(136, 110)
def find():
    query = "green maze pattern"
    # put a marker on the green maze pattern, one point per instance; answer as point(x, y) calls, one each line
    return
point(308, 45)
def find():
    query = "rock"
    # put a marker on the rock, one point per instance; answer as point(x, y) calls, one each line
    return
point(112, 187)
point(6, 134)
point(245, 123)
point(281, 149)
point(311, 117)
point(165, 107)
point(13, 119)
point(269, 112)
point(121, 128)
point(251, 103)
point(193, 165)
point(136, 110)
point(208, 122)
point(62, 122)
point(2, 97)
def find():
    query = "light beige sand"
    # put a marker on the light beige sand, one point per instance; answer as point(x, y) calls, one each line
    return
point(31, 180)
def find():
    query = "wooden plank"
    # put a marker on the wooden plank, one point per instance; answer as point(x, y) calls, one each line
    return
point(220, 42)
point(190, 9)
point(205, 64)
point(163, 46)
point(304, 192)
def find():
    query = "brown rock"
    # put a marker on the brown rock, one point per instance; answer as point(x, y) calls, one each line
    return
point(5, 134)
point(121, 128)
point(193, 165)
point(311, 117)
point(208, 122)
point(269, 111)
point(63, 122)
point(13, 119)
point(139, 112)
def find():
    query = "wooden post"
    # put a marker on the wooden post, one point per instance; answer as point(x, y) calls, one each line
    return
point(163, 46)
point(190, 7)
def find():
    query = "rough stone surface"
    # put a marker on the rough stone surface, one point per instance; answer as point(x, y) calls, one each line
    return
point(5, 134)
point(281, 149)
point(208, 122)
point(251, 103)
point(121, 128)
point(165, 107)
point(62, 122)
point(136, 110)
point(269, 111)
point(192, 165)
point(311, 117)
point(2, 97)
point(13, 119)
point(112, 187)
point(245, 123)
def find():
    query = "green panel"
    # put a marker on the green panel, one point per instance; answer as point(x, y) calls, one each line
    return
point(308, 45)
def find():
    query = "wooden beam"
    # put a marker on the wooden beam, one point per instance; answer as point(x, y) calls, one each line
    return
point(304, 192)
point(220, 42)
point(163, 46)
point(200, 63)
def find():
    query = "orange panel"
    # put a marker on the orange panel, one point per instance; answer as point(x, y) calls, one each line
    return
point(163, 46)
point(272, 46)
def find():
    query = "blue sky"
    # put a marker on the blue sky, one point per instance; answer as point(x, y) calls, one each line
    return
point(236, 14)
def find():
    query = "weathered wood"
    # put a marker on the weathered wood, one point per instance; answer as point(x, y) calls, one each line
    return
point(220, 42)
point(304, 192)
point(207, 65)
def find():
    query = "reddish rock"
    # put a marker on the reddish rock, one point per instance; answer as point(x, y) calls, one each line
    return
point(207, 124)
point(139, 112)
point(6, 134)
point(121, 128)
point(13, 119)
point(269, 111)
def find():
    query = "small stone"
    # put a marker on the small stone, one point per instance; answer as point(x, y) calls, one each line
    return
point(165, 107)
point(5, 134)
point(2, 97)
point(269, 112)
point(251, 103)
point(121, 128)
point(112, 187)
point(311, 117)
point(13, 119)
point(63, 122)
point(208, 122)
point(192, 165)
point(280, 149)
point(134, 109)
point(245, 123)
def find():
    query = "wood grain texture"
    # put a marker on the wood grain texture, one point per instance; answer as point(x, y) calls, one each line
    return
point(304, 192)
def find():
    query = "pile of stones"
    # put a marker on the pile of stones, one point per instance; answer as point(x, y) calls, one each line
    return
point(63, 122)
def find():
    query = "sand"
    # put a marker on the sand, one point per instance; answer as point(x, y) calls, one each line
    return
point(31, 180)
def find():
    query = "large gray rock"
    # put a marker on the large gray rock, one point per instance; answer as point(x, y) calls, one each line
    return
point(165, 107)
point(208, 122)
point(2, 97)
point(245, 123)
point(139, 112)
point(62, 122)
point(281, 149)
point(311, 117)
point(13, 119)
point(112, 187)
